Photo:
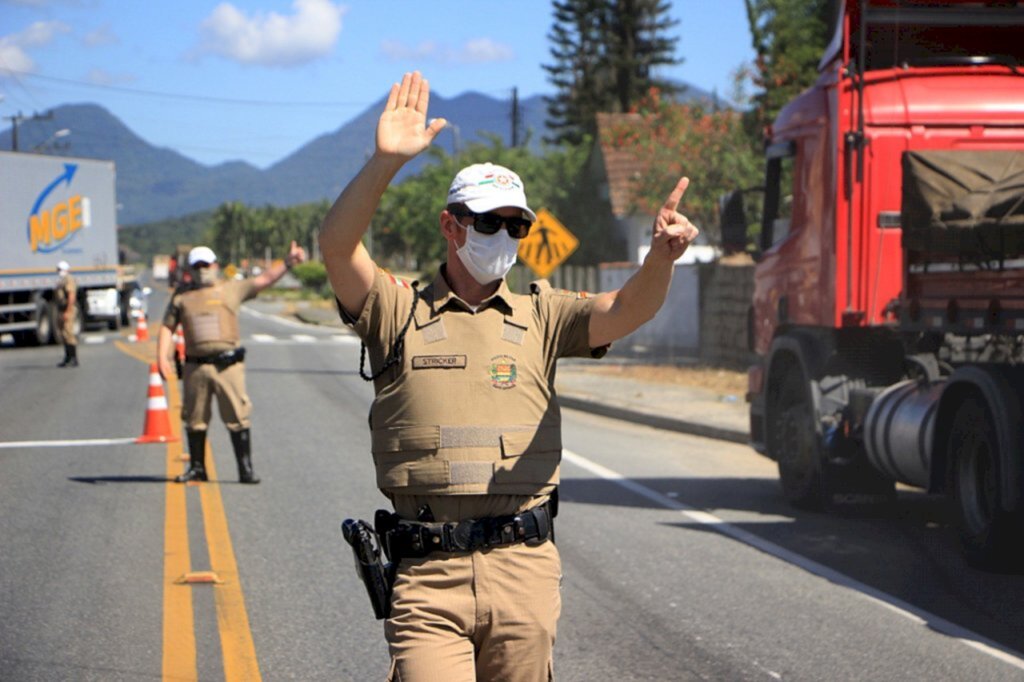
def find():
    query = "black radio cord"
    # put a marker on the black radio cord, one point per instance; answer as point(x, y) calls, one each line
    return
point(395, 354)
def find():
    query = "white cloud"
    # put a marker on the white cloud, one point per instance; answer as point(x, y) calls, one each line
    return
point(270, 39)
point(104, 35)
point(14, 48)
point(475, 51)
point(427, 51)
point(486, 50)
point(13, 58)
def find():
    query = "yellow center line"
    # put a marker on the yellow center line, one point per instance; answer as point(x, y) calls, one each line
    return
point(237, 647)
point(144, 351)
point(179, 642)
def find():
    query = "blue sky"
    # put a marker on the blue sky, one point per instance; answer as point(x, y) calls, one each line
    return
point(256, 79)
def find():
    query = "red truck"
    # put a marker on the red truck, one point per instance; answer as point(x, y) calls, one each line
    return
point(888, 311)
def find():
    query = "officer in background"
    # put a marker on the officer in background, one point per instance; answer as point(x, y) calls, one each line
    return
point(214, 364)
point(465, 428)
point(65, 295)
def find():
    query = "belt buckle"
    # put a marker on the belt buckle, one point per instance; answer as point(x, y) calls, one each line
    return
point(461, 536)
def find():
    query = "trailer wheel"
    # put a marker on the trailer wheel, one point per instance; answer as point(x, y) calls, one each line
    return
point(990, 536)
point(793, 440)
point(43, 334)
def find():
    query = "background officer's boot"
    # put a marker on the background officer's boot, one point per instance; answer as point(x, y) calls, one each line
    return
point(67, 356)
point(73, 350)
point(242, 440)
point(197, 458)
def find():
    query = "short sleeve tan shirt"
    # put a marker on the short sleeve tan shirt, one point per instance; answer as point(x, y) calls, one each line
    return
point(499, 359)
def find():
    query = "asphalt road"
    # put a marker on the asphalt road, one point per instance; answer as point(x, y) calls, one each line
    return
point(681, 562)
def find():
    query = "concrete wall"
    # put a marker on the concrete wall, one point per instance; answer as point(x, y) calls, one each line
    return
point(726, 293)
point(674, 333)
point(704, 317)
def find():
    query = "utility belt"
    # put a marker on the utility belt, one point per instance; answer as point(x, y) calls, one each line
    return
point(379, 548)
point(225, 359)
point(414, 539)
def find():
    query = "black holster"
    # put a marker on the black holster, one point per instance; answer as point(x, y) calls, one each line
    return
point(377, 574)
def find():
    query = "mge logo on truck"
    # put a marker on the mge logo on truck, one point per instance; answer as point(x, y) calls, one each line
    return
point(58, 223)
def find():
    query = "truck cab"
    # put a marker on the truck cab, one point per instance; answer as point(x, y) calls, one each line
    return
point(889, 247)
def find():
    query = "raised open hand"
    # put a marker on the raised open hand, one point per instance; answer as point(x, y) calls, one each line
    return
point(673, 232)
point(402, 129)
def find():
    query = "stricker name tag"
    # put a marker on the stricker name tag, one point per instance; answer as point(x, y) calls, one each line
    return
point(439, 362)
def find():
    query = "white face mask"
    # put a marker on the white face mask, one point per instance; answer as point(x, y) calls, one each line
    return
point(206, 276)
point(488, 257)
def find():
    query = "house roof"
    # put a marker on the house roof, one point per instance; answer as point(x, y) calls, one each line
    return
point(621, 166)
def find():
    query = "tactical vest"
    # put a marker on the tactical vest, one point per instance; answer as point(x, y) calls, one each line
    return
point(470, 409)
point(63, 292)
point(209, 323)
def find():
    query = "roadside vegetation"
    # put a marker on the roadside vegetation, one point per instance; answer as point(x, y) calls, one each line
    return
point(719, 145)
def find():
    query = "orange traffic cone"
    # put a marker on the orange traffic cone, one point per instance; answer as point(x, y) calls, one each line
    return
point(158, 424)
point(141, 328)
point(179, 350)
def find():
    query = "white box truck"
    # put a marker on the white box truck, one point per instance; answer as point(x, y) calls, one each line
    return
point(52, 209)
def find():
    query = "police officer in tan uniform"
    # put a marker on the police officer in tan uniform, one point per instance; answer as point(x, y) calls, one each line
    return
point(214, 361)
point(65, 295)
point(465, 428)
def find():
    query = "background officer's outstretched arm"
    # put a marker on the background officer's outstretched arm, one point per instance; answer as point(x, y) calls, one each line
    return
point(296, 254)
point(402, 133)
point(618, 313)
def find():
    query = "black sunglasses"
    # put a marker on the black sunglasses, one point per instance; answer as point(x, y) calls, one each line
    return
point(490, 223)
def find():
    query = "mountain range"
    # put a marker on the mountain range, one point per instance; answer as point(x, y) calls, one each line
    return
point(156, 183)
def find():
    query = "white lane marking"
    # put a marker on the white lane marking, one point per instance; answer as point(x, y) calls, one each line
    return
point(93, 339)
point(350, 339)
point(909, 611)
point(264, 338)
point(304, 338)
point(280, 320)
point(66, 443)
point(345, 339)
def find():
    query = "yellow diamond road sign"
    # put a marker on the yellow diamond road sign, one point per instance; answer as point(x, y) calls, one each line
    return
point(548, 244)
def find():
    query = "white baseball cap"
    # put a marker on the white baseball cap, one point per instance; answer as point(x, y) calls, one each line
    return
point(201, 254)
point(484, 187)
point(63, 266)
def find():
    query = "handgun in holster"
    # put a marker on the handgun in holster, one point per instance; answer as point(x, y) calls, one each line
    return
point(377, 574)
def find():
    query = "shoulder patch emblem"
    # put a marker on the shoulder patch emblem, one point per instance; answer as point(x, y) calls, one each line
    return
point(395, 280)
point(503, 372)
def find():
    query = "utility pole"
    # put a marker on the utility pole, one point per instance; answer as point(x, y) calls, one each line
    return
point(18, 118)
point(516, 123)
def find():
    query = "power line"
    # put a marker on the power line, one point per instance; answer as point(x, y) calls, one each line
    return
point(183, 96)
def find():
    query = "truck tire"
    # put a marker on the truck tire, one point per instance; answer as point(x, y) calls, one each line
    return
point(990, 536)
point(793, 442)
point(44, 333)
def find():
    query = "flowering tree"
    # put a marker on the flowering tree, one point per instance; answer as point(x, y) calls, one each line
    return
point(706, 144)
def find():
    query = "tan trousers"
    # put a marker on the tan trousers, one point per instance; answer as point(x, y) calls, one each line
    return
point(202, 383)
point(488, 615)
point(67, 330)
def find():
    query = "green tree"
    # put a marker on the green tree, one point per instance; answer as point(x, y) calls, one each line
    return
point(405, 233)
point(789, 37)
point(605, 53)
point(239, 232)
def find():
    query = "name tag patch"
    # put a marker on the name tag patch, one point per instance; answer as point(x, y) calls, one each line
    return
point(439, 362)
